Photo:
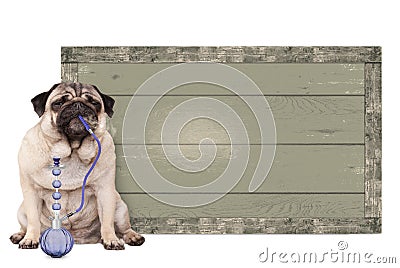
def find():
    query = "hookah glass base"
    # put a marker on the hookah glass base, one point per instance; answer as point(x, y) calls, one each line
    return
point(56, 242)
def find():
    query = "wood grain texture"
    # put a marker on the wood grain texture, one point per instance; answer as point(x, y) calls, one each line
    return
point(239, 225)
point(272, 79)
point(253, 205)
point(373, 140)
point(69, 72)
point(298, 119)
point(297, 169)
point(224, 54)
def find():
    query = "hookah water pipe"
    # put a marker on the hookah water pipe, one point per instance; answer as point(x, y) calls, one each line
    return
point(57, 241)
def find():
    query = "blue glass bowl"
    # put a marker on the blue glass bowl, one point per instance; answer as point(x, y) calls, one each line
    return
point(56, 242)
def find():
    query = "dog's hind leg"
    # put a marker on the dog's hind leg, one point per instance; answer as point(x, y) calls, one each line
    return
point(29, 219)
point(23, 222)
point(123, 226)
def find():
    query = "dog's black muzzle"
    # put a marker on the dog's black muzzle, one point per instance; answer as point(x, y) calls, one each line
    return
point(69, 123)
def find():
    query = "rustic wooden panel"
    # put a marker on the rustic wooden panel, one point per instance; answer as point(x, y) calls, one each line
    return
point(272, 79)
point(224, 54)
point(317, 210)
point(317, 168)
point(239, 225)
point(373, 140)
point(317, 119)
point(253, 205)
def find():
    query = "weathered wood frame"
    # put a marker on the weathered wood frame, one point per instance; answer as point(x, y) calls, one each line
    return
point(369, 56)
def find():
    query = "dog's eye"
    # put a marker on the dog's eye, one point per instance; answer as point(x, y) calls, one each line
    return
point(96, 104)
point(57, 104)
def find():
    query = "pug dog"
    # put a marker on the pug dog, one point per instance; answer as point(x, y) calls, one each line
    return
point(59, 132)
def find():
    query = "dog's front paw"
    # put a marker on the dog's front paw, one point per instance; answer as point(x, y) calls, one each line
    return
point(27, 243)
point(113, 244)
point(133, 239)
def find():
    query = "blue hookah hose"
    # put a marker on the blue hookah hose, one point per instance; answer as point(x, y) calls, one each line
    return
point(91, 167)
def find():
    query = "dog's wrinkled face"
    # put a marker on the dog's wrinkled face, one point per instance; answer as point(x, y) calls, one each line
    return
point(65, 101)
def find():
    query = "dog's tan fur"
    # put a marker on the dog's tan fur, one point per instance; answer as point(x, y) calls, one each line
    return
point(105, 216)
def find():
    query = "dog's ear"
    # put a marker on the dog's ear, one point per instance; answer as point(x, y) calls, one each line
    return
point(108, 102)
point(39, 101)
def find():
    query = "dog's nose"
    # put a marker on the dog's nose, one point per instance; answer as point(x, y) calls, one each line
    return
point(77, 105)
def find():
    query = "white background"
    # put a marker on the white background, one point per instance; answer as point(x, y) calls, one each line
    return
point(32, 33)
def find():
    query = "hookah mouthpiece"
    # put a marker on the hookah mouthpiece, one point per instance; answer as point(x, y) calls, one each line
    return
point(85, 124)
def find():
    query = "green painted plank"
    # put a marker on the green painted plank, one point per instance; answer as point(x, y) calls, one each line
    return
point(272, 79)
point(298, 119)
point(311, 168)
point(118, 78)
point(253, 205)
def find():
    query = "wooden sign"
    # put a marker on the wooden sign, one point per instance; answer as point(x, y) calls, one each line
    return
point(317, 137)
